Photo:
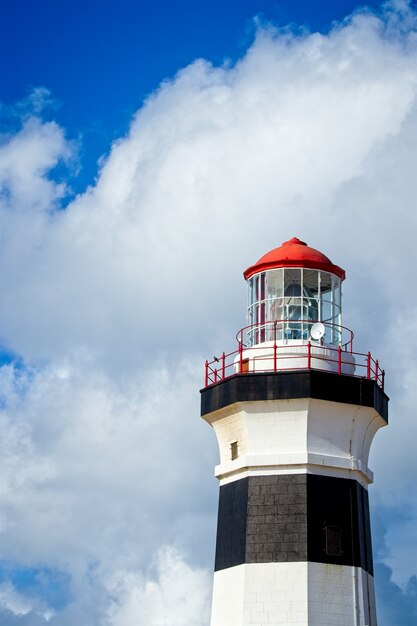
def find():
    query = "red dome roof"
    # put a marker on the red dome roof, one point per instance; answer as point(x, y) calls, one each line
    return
point(294, 253)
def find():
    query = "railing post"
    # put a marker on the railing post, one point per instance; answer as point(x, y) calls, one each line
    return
point(309, 355)
point(240, 356)
point(383, 379)
point(215, 375)
point(339, 360)
point(376, 370)
point(223, 366)
point(368, 368)
point(207, 376)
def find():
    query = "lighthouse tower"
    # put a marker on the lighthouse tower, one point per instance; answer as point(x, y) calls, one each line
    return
point(295, 410)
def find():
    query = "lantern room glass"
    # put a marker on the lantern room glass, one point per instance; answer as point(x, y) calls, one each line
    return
point(284, 303)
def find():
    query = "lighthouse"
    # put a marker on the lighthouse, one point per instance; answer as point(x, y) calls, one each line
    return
point(295, 409)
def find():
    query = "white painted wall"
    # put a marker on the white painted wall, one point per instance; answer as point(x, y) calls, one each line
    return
point(300, 594)
point(282, 436)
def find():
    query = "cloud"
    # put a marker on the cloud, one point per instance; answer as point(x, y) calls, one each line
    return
point(112, 302)
point(396, 604)
point(178, 597)
point(26, 158)
point(99, 462)
point(95, 473)
point(17, 608)
point(278, 135)
point(169, 593)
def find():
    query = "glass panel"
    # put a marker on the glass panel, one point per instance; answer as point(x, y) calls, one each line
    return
point(310, 309)
point(276, 310)
point(274, 283)
point(292, 283)
point(292, 308)
point(337, 335)
point(311, 283)
point(250, 287)
point(305, 309)
point(325, 282)
point(326, 311)
point(292, 303)
point(250, 302)
point(280, 331)
point(311, 295)
point(326, 318)
point(293, 312)
point(336, 315)
point(251, 319)
point(337, 299)
point(262, 287)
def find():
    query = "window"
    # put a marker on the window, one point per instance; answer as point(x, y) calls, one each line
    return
point(333, 535)
point(233, 450)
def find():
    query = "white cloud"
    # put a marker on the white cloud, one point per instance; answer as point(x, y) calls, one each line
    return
point(214, 157)
point(98, 463)
point(114, 302)
point(25, 160)
point(179, 596)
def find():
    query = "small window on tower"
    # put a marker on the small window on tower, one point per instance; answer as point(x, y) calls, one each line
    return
point(233, 450)
point(333, 536)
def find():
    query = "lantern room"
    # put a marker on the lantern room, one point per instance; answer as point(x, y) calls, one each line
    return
point(292, 290)
point(294, 320)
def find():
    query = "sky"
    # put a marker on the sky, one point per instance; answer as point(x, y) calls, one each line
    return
point(148, 155)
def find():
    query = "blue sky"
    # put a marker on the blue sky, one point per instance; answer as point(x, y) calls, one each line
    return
point(149, 153)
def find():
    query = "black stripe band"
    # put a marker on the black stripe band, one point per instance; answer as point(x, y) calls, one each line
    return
point(293, 517)
point(287, 385)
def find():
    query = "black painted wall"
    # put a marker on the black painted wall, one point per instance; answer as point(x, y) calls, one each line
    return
point(301, 384)
point(231, 526)
point(283, 518)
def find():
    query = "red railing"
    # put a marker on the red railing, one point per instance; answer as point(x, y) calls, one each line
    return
point(269, 356)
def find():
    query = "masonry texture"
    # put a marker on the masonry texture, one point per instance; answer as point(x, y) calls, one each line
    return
point(283, 518)
point(277, 519)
